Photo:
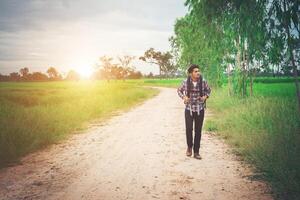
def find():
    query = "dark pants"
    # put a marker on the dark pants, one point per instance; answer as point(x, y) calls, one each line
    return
point(198, 119)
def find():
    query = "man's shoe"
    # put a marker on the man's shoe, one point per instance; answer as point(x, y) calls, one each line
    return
point(189, 151)
point(197, 156)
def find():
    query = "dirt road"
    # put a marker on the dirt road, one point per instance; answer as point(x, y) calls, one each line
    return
point(139, 155)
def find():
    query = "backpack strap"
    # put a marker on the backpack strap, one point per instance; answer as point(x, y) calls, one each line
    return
point(200, 85)
point(189, 83)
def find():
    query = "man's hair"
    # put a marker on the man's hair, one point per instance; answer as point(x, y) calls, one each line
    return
point(192, 67)
point(189, 80)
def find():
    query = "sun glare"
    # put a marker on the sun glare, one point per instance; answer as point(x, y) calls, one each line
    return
point(85, 72)
point(83, 66)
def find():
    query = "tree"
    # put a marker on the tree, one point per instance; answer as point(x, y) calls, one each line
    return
point(162, 59)
point(126, 65)
point(223, 30)
point(117, 72)
point(195, 44)
point(72, 76)
point(259, 34)
point(14, 76)
point(53, 74)
point(107, 69)
point(24, 73)
point(135, 74)
point(38, 76)
point(126, 61)
point(4, 77)
point(104, 68)
point(284, 23)
point(150, 75)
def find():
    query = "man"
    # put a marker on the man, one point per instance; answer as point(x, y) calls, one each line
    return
point(194, 91)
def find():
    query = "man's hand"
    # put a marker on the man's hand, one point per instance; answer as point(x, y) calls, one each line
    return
point(186, 99)
point(203, 98)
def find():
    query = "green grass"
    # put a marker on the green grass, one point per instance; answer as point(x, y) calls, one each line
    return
point(265, 130)
point(34, 115)
point(284, 79)
point(284, 90)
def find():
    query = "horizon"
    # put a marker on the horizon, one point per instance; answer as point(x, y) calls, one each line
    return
point(73, 35)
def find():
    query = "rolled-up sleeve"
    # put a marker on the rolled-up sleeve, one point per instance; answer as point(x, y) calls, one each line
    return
point(180, 90)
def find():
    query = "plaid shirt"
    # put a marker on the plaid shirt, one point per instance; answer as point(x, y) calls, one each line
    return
point(195, 103)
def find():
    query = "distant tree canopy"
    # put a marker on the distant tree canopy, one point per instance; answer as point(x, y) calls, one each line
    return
point(25, 75)
point(164, 60)
point(24, 72)
point(72, 76)
point(108, 68)
point(53, 74)
point(122, 69)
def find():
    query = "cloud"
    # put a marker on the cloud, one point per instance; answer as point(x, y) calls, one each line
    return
point(38, 33)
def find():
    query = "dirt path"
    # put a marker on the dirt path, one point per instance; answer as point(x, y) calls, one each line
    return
point(136, 155)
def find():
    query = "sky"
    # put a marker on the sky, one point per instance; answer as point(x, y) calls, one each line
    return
point(69, 34)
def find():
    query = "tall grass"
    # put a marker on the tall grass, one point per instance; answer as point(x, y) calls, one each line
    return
point(33, 115)
point(265, 129)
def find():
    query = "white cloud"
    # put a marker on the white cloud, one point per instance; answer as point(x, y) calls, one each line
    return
point(67, 33)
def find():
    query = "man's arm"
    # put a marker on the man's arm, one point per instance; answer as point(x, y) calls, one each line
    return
point(180, 90)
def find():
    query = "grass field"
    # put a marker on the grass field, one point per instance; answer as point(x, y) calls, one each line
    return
point(33, 115)
point(263, 128)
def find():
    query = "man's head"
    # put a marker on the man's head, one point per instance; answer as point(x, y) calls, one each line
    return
point(194, 71)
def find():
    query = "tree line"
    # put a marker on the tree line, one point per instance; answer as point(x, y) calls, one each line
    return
point(107, 68)
point(237, 39)
point(24, 75)
point(52, 74)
